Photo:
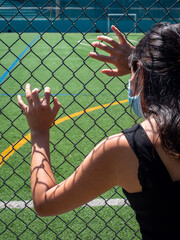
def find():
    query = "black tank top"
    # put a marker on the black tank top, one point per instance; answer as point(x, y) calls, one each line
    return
point(157, 207)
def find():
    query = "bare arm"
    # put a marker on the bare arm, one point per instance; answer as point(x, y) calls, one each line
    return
point(40, 118)
point(98, 173)
point(119, 53)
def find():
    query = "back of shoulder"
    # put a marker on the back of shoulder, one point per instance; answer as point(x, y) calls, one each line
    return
point(125, 161)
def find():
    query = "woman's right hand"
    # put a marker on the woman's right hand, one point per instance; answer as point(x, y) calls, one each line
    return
point(39, 114)
point(119, 53)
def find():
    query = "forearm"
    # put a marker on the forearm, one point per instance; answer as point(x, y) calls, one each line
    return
point(42, 178)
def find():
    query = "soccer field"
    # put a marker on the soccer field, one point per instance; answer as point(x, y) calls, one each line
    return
point(94, 106)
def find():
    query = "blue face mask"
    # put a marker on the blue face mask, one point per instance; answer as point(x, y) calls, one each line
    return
point(135, 102)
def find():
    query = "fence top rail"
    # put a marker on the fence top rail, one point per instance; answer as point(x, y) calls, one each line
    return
point(74, 8)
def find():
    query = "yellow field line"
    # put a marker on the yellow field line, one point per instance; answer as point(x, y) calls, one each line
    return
point(15, 146)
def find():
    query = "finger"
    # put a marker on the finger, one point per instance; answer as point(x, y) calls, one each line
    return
point(47, 95)
point(29, 94)
point(116, 72)
point(100, 57)
point(108, 40)
point(122, 39)
point(21, 103)
point(35, 96)
point(111, 72)
point(56, 106)
point(118, 34)
point(103, 47)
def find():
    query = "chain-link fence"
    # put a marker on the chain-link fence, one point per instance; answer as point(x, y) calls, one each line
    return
point(46, 43)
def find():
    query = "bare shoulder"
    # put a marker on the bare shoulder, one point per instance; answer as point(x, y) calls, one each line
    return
point(123, 160)
point(114, 141)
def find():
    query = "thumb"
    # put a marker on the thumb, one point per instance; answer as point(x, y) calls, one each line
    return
point(110, 72)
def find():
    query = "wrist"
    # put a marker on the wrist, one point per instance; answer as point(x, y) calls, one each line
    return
point(39, 134)
point(40, 142)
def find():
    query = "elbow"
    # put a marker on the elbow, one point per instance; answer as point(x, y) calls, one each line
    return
point(46, 209)
point(40, 210)
point(41, 205)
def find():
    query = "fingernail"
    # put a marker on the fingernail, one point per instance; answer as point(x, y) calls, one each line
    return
point(47, 89)
point(27, 87)
point(92, 53)
point(35, 90)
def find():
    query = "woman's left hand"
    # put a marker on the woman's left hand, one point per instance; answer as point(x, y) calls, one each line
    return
point(38, 112)
point(118, 53)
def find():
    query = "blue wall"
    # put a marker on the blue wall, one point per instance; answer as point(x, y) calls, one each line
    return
point(65, 25)
point(87, 18)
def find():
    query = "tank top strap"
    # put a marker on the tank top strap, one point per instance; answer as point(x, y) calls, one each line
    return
point(152, 173)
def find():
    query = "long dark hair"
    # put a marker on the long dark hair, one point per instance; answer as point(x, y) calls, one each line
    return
point(159, 54)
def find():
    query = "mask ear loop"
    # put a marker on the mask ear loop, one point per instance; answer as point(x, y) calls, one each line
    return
point(136, 76)
point(142, 85)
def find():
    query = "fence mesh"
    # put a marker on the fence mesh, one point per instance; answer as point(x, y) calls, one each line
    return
point(46, 43)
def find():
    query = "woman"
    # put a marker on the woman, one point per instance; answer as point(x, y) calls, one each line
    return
point(144, 160)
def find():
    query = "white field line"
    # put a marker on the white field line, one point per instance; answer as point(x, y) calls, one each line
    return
point(85, 44)
point(133, 41)
point(94, 203)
